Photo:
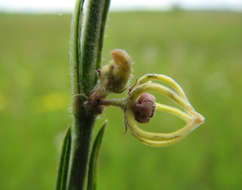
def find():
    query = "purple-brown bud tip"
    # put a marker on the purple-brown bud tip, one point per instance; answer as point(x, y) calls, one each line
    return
point(144, 108)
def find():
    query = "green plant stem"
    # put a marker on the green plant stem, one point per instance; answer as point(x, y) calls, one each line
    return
point(86, 47)
point(82, 123)
point(81, 138)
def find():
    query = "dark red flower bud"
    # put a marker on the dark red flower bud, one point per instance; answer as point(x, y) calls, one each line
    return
point(144, 108)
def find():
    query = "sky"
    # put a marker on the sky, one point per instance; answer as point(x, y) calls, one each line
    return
point(68, 5)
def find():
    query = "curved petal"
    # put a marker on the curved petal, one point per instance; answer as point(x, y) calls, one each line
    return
point(165, 79)
point(160, 137)
point(174, 111)
point(137, 91)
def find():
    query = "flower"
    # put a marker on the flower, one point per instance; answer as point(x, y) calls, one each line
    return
point(140, 105)
point(138, 96)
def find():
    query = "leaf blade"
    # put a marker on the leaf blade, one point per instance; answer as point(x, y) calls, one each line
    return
point(92, 41)
point(64, 162)
point(75, 49)
point(101, 38)
point(93, 164)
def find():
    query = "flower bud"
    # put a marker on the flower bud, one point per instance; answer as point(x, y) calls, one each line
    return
point(144, 108)
point(114, 76)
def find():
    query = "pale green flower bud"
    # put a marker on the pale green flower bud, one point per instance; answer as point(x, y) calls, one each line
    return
point(115, 76)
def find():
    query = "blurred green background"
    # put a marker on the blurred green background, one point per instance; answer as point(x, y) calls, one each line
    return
point(201, 50)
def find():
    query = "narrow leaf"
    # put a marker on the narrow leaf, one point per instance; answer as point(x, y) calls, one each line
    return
point(93, 164)
point(75, 49)
point(64, 166)
point(92, 42)
point(101, 38)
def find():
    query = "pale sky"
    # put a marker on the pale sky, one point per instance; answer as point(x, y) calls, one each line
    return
point(67, 5)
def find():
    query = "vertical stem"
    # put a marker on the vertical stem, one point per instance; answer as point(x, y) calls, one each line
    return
point(82, 124)
point(81, 138)
point(86, 47)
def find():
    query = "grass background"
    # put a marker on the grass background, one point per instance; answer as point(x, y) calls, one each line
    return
point(201, 50)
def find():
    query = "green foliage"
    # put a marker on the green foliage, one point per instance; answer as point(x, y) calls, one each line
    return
point(64, 162)
point(94, 158)
point(92, 42)
point(201, 50)
point(76, 28)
